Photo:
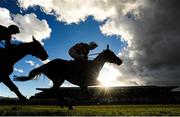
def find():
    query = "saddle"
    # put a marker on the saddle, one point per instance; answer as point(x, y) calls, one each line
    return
point(80, 62)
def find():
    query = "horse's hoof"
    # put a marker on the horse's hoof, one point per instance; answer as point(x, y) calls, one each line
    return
point(62, 106)
point(71, 108)
point(24, 100)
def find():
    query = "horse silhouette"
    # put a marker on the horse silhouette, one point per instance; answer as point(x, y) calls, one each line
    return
point(81, 74)
point(12, 55)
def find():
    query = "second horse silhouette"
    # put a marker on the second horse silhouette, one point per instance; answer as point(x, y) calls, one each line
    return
point(83, 75)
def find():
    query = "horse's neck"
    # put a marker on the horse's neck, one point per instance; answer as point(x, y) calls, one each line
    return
point(99, 62)
point(19, 52)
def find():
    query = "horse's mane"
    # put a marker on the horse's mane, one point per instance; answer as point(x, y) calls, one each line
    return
point(22, 44)
point(19, 45)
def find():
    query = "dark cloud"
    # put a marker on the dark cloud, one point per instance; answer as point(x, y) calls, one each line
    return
point(156, 45)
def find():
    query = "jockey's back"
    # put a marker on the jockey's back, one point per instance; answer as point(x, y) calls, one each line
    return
point(4, 33)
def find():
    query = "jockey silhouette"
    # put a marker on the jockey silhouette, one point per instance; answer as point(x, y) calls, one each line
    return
point(6, 34)
point(81, 50)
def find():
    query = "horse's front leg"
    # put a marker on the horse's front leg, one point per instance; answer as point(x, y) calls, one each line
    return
point(14, 88)
point(85, 92)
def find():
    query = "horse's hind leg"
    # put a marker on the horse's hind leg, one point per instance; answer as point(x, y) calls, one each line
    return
point(63, 102)
point(14, 88)
point(85, 92)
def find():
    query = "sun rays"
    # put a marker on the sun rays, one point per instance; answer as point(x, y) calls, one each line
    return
point(108, 76)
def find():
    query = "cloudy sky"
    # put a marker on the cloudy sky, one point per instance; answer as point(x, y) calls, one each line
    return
point(145, 34)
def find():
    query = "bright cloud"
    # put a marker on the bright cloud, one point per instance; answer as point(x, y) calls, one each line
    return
point(30, 62)
point(29, 25)
point(72, 11)
point(5, 17)
point(18, 70)
point(45, 61)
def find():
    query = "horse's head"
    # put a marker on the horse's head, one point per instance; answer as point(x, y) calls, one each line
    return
point(38, 50)
point(110, 57)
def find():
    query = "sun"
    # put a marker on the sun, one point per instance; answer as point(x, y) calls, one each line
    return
point(108, 76)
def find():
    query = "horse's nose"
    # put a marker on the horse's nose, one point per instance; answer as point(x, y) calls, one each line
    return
point(119, 62)
point(45, 57)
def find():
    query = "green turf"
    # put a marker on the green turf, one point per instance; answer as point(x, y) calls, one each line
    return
point(100, 110)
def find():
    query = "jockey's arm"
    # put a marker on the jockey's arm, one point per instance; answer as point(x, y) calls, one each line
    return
point(82, 58)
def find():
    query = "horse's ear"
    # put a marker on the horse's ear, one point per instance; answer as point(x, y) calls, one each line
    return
point(107, 46)
point(34, 38)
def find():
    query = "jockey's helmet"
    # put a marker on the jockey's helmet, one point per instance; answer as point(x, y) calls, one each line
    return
point(13, 29)
point(93, 45)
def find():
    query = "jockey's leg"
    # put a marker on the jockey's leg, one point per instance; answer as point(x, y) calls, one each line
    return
point(14, 88)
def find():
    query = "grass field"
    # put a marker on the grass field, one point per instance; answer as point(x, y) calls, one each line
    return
point(100, 110)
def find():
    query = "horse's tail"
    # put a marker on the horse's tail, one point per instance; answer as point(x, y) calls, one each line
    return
point(34, 74)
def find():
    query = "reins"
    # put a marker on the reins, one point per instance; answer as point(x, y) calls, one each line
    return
point(92, 55)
